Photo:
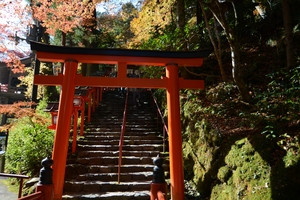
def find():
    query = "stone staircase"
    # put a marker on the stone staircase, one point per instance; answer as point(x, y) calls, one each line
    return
point(92, 173)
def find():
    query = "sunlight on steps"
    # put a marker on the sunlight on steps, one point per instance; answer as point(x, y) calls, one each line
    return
point(92, 172)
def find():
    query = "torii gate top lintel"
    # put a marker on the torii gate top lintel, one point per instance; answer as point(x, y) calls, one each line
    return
point(122, 58)
point(51, 53)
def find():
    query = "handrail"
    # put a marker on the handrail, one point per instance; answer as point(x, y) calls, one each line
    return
point(21, 177)
point(165, 127)
point(35, 196)
point(122, 137)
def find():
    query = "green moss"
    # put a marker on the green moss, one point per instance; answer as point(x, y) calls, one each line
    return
point(250, 174)
point(224, 174)
point(238, 166)
point(223, 192)
point(201, 140)
point(233, 170)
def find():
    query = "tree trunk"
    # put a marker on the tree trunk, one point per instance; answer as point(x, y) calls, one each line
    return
point(181, 22)
point(181, 16)
point(87, 68)
point(216, 44)
point(237, 72)
point(237, 76)
point(290, 58)
point(181, 25)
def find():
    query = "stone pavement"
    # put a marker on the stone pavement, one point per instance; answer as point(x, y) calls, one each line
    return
point(5, 194)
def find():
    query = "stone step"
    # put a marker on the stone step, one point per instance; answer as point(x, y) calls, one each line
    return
point(73, 171)
point(102, 128)
point(109, 116)
point(124, 177)
point(113, 121)
point(75, 168)
point(113, 153)
point(139, 119)
point(124, 195)
point(139, 129)
point(119, 119)
point(137, 122)
point(95, 128)
point(117, 136)
point(128, 140)
point(128, 125)
point(102, 186)
point(117, 133)
point(145, 147)
point(106, 120)
point(119, 108)
point(116, 142)
point(113, 160)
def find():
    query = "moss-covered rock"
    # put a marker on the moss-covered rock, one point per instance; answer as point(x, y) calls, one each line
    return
point(250, 174)
point(239, 166)
point(200, 149)
point(224, 174)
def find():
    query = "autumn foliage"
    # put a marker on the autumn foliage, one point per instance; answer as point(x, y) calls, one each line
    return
point(15, 18)
point(63, 15)
point(153, 17)
point(56, 15)
point(20, 110)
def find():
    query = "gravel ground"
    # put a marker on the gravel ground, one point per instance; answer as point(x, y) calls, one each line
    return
point(5, 194)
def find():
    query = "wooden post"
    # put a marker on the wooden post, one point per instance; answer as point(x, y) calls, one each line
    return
point(89, 93)
point(94, 100)
point(75, 121)
point(158, 189)
point(61, 140)
point(175, 138)
point(97, 96)
point(101, 94)
point(45, 185)
point(82, 118)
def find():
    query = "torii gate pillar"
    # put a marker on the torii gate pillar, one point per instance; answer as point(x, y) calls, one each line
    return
point(61, 140)
point(175, 138)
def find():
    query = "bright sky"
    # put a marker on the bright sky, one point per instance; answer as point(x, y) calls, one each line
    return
point(113, 6)
point(11, 25)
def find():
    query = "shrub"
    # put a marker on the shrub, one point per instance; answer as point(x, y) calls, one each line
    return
point(29, 142)
point(279, 105)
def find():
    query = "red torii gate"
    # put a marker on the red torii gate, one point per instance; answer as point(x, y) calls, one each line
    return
point(71, 56)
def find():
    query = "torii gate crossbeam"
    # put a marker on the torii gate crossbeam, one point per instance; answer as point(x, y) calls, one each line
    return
point(69, 79)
